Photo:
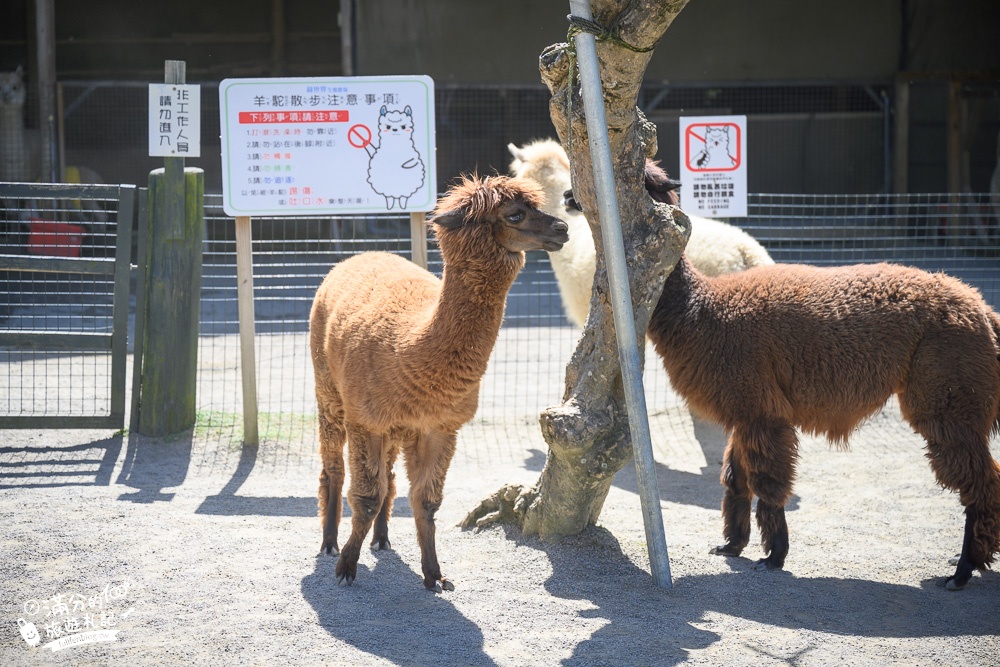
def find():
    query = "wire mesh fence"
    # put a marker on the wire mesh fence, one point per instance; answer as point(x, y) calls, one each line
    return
point(807, 137)
point(959, 235)
point(40, 380)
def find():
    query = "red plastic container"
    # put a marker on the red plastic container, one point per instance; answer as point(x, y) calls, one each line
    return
point(54, 238)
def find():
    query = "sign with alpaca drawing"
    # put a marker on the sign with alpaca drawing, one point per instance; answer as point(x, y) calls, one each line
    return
point(312, 146)
point(713, 166)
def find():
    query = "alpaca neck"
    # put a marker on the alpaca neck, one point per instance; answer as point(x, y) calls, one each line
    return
point(14, 156)
point(462, 328)
point(683, 291)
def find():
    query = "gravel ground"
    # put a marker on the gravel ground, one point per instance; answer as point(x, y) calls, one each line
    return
point(195, 550)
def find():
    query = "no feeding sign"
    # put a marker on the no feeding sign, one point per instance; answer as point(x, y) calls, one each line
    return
point(714, 166)
point(332, 145)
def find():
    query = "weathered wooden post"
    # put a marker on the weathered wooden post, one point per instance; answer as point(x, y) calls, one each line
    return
point(173, 278)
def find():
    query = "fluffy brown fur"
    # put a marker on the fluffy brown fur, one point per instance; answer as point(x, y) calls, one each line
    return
point(398, 356)
point(821, 349)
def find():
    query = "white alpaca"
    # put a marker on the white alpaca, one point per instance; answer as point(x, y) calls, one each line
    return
point(18, 146)
point(714, 248)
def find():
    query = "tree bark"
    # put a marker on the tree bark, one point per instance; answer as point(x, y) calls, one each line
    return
point(588, 434)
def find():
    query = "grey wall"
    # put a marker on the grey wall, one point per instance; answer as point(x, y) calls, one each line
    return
point(716, 40)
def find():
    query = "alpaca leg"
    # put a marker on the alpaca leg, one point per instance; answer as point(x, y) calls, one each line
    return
point(331, 478)
point(380, 537)
point(973, 473)
point(773, 535)
point(769, 453)
point(735, 507)
point(369, 485)
point(427, 462)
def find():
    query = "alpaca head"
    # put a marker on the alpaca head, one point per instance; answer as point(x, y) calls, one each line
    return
point(660, 187)
point(12, 89)
point(543, 161)
point(480, 216)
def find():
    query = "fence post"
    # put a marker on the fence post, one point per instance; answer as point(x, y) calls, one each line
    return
point(173, 282)
point(418, 239)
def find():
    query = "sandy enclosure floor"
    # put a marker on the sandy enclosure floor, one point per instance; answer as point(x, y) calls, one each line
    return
point(196, 550)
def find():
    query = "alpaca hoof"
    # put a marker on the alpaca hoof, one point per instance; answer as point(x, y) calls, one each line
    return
point(725, 550)
point(765, 564)
point(954, 560)
point(346, 574)
point(380, 543)
point(953, 585)
point(329, 547)
point(438, 586)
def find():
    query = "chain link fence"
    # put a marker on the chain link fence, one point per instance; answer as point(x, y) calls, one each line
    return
point(808, 139)
point(959, 235)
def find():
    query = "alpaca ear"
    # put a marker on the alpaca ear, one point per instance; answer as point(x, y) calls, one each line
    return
point(449, 219)
point(408, 111)
point(382, 111)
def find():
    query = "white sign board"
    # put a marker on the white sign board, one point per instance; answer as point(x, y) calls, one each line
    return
point(714, 166)
point(174, 120)
point(311, 146)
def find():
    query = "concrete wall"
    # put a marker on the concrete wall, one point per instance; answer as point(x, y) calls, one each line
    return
point(711, 40)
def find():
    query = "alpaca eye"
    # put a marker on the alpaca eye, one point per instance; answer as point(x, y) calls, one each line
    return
point(515, 218)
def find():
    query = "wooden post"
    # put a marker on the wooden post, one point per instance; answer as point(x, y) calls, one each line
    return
point(954, 129)
point(277, 37)
point(418, 239)
point(45, 20)
point(346, 19)
point(901, 141)
point(173, 286)
point(248, 362)
point(168, 386)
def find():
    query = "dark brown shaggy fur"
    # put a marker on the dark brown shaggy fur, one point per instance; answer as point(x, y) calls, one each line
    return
point(398, 356)
point(821, 349)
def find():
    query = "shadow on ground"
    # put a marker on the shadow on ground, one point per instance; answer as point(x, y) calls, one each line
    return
point(28, 467)
point(661, 629)
point(154, 464)
point(394, 618)
point(701, 489)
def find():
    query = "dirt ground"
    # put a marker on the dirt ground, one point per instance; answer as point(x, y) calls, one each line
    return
point(196, 550)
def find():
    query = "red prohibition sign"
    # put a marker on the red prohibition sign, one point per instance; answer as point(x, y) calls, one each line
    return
point(359, 135)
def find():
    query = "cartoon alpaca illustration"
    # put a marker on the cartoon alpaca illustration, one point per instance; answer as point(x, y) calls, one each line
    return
point(395, 169)
point(716, 153)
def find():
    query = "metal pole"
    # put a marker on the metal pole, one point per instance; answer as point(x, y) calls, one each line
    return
point(621, 301)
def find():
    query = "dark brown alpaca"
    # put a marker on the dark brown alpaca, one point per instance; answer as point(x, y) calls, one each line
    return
point(398, 356)
point(786, 346)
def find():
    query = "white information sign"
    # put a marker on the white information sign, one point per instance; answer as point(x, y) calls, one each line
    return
point(310, 146)
point(714, 166)
point(174, 120)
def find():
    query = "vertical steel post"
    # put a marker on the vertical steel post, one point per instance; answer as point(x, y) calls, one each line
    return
point(621, 301)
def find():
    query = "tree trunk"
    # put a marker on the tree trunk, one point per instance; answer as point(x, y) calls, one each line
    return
point(588, 434)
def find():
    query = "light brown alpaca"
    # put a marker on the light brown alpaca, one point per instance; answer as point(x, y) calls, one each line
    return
point(398, 356)
point(778, 347)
